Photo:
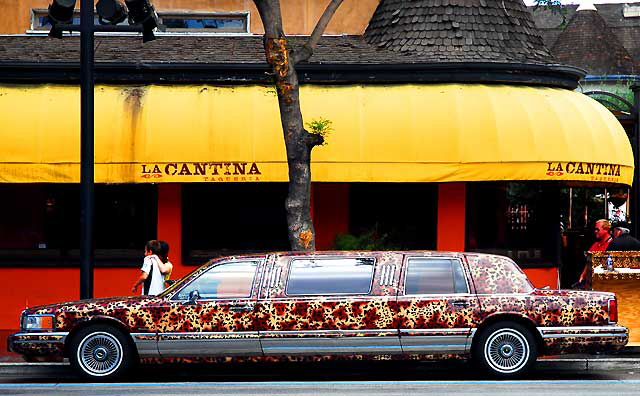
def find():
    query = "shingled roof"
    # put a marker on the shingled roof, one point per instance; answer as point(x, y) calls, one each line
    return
point(588, 42)
point(626, 29)
point(460, 30)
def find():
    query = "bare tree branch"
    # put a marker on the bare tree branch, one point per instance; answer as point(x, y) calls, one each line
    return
point(305, 52)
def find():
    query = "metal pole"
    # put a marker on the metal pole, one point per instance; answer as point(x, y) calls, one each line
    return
point(86, 148)
point(632, 213)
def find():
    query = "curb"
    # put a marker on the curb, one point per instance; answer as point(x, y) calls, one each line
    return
point(63, 370)
point(36, 369)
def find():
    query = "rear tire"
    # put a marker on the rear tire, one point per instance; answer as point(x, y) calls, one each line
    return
point(505, 350)
point(101, 352)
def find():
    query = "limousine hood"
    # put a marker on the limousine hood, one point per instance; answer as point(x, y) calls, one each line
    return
point(92, 304)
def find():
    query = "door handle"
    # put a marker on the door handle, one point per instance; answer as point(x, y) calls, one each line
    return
point(242, 308)
point(461, 304)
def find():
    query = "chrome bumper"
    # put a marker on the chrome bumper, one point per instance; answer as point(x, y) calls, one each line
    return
point(37, 344)
point(584, 339)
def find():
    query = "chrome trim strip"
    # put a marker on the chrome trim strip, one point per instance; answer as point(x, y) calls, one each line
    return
point(583, 335)
point(383, 275)
point(467, 347)
point(583, 331)
point(62, 334)
point(208, 344)
point(212, 335)
point(146, 344)
point(440, 348)
point(323, 346)
point(437, 344)
point(454, 331)
point(316, 333)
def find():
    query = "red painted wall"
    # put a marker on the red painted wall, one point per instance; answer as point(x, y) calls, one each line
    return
point(452, 205)
point(170, 223)
point(330, 212)
point(541, 277)
point(37, 286)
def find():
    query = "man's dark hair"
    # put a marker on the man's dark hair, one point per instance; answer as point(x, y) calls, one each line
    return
point(154, 247)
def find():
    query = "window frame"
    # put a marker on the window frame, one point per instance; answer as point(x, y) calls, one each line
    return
point(251, 295)
point(37, 13)
point(290, 264)
point(451, 259)
point(206, 15)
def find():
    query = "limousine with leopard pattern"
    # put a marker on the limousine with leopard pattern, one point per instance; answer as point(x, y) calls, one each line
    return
point(329, 305)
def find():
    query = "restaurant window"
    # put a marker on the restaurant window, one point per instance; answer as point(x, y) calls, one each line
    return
point(178, 22)
point(235, 218)
point(40, 223)
point(391, 216)
point(326, 276)
point(520, 220)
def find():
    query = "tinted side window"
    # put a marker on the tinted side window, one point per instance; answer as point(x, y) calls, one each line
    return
point(330, 276)
point(230, 280)
point(434, 276)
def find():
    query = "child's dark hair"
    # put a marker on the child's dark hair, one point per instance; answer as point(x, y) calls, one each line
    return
point(154, 247)
point(164, 251)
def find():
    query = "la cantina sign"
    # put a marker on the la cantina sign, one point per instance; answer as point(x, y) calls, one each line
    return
point(582, 168)
point(207, 171)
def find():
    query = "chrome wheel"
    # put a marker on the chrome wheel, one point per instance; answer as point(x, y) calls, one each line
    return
point(99, 354)
point(506, 351)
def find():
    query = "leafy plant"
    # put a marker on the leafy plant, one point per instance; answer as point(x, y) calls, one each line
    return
point(370, 239)
point(321, 127)
point(555, 6)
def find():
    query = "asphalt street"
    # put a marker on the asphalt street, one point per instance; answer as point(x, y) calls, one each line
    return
point(476, 388)
point(355, 378)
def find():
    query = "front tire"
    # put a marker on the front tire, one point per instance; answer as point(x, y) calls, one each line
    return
point(505, 350)
point(101, 352)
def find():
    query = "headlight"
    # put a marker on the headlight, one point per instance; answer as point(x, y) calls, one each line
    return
point(37, 322)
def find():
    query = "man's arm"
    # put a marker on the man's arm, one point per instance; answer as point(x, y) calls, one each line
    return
point(139, 281)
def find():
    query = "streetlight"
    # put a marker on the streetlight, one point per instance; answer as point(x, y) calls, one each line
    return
point(111, 12)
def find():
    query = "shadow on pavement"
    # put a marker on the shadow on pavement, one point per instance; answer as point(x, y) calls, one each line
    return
point(310, 372)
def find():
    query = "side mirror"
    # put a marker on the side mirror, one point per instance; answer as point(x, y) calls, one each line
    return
point(194, 295)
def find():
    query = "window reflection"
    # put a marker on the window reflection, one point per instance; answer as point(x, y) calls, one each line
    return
point(230, 280)
point(434, 276)
point(330, 276)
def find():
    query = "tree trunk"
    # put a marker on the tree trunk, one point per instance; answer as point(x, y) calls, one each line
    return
point(298, 141)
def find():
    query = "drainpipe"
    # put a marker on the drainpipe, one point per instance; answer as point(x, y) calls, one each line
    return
point(635, 145)
point(86, 148)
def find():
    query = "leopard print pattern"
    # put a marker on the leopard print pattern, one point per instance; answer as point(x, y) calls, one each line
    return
point(501, 287)
point(497, 275)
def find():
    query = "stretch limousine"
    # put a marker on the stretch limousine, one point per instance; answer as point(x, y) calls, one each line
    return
point(329, 305)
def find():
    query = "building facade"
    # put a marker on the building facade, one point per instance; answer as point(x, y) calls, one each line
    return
point(454, 129)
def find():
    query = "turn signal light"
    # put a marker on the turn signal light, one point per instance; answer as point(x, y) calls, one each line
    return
point(613, 310)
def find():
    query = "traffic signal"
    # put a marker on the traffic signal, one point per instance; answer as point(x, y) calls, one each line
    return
point(142, 12)
point(111, 12)
point(60, 12)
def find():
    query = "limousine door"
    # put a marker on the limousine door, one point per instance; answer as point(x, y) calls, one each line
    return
point(220, 322)
point(436, 306)
point(325, 305)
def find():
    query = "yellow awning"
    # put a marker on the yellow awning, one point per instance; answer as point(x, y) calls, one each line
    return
point(398, 133)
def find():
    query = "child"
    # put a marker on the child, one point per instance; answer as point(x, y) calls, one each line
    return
point(167, 265)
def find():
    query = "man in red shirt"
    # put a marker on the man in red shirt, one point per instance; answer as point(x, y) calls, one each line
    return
point(603, 238)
